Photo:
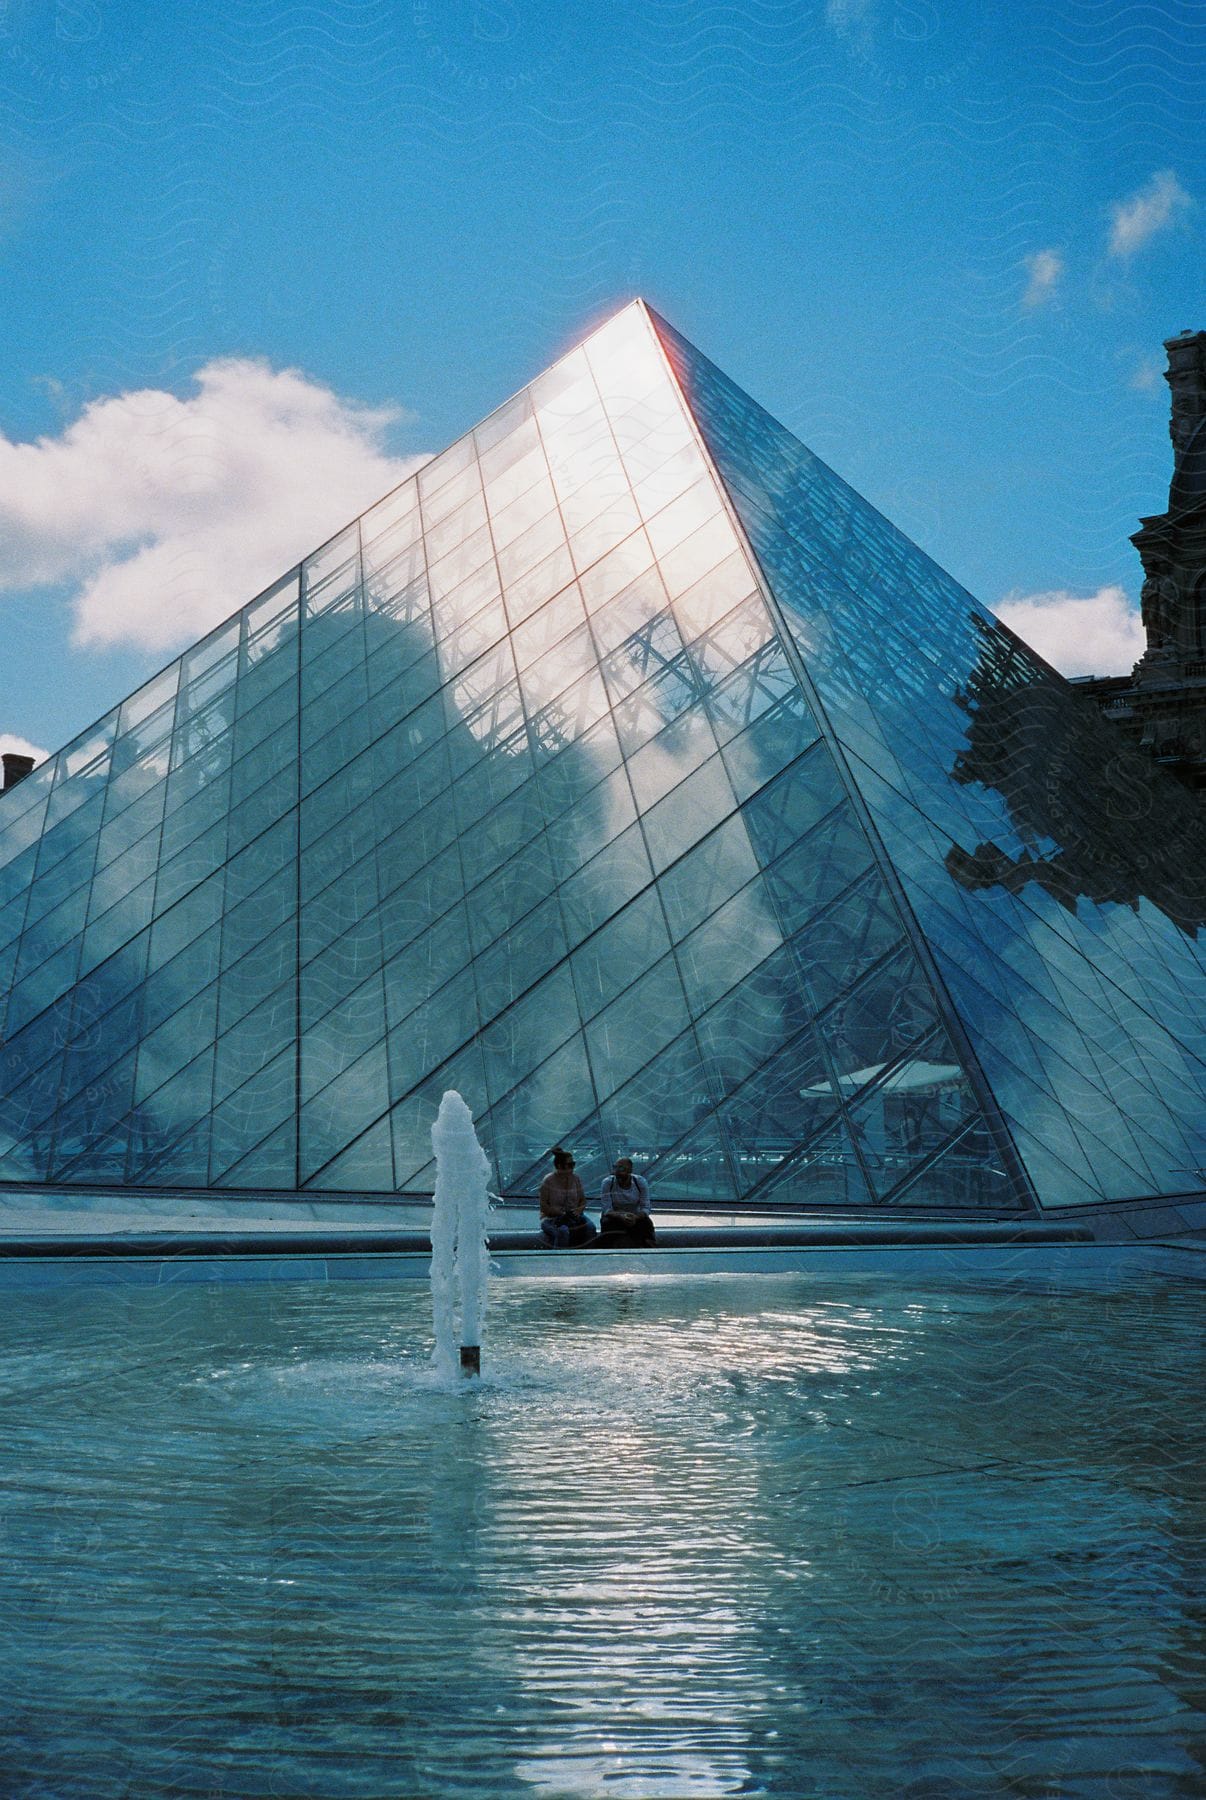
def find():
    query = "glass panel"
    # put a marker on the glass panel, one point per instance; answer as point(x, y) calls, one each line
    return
point(602, 887)
point(630, 610)
point(698, 1168)
point(256, 972)
point(703, 551)
point(166, 1050)
point(706, 877)
point(240, 1123)
point(672, 690)
point(764, 748)
point(23, 808)
point(547, 627)
point(388, 527)
point(663, 1103)
point(868, 1029)
point(541, 1111)
point(558, 669)
point(272, 1164)
point(825, 1174)
point(657, 479)
point(513, 890)
point(116, 927)
point(330, 583)
point(417, 903)
point(447, 481)
point(530, 549)
point(520, 958)
point(340, 1036)
point(906, 1118)
point(431, 960)
point(153, 1158)
point(265, 1032)
point(603, 533)
point(615, 572)
point(411, 1121)
point(583, 753)
point(812, 872)
point(727, 946)
point(631, 1031)
point(343, 1110)
point(692, 510)
point(779, 816)
point(520, 499)
point(688, 813)
point(527, 1032)
point(506, 435)
point(456, 529)
point(855, 931)
point(431, 1032)
point(89, 1146)
point(526, 592)
point(48, 983)
point(52, 932)
point(270, 622)
point(613, 958)
point(494, 838)
point(151, 701)
point(167, 1112)
point(70, 794)
point(100, 1044)
point(715, 595)
point(598, 819)
point(493, 782)
point(671, 756)
point(367, 1166)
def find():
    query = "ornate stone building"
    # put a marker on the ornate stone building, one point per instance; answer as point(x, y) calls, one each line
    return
point(1162, 703)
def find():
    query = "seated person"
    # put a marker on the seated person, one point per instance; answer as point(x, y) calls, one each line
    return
point(563, 1217)
point(625, 1200)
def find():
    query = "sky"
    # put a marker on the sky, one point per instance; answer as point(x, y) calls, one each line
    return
point(260, 258)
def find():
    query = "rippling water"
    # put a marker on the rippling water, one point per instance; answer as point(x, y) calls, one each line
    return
point(687, 1538)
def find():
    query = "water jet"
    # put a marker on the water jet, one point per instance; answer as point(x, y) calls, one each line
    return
point(460, 1257)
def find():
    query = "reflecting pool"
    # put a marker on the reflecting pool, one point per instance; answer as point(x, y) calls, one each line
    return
point(687, 1537)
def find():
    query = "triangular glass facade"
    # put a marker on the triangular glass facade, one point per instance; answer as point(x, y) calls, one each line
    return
point(628, 773)
point(1057, 875)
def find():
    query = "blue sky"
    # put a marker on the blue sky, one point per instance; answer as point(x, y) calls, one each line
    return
point(257, 256)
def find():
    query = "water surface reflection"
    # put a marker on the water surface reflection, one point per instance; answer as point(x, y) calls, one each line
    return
point(687, 1538)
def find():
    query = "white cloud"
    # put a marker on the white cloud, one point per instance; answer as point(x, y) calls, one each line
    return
point(1046, 270)
point(19, 746)
point(1157, 205)
point(165, 515)
point(1094, 634)
point(1147, 376)
point(848, 16)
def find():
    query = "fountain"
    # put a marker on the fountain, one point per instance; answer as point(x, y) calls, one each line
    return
point(460, 1258)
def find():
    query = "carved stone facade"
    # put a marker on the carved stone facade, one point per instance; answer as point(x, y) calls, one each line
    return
point(1162, 703)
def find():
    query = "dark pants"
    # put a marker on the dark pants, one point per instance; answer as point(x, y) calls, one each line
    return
point(628, 1228)
point(571, 1229)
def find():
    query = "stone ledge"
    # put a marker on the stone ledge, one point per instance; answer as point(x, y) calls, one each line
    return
point(318, 1242)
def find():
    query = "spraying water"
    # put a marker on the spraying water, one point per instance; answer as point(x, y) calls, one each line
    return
point(460, 1259)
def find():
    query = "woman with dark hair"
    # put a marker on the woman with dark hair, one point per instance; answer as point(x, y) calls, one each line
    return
point(563, 1217)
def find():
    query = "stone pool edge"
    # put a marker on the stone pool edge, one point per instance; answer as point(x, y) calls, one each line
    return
point(1055, 1263)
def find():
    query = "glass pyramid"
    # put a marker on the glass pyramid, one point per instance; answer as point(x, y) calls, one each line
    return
point(627, 772)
